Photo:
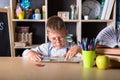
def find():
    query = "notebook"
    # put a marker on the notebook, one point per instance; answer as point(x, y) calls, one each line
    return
point(61, 59)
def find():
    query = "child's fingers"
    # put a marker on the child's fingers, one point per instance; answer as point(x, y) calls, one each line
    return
point(66, 58)
point(69, 55)
point(36, 58)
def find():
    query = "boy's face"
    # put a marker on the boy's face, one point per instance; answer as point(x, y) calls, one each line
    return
point(57, 39)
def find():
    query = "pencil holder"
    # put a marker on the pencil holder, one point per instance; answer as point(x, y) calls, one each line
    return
point(88, 58)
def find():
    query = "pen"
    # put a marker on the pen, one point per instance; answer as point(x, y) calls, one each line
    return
point(88, 44)
point(95, 42)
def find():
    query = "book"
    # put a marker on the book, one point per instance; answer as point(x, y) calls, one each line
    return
point(109, 9)
point(112, 53)
point(104, 6)
point(111, 57)
point(109, 37)
point(101, 8)
point(108, 51)
point(116, 58)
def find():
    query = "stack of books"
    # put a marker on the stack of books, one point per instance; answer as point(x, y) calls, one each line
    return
point(112, 53)
point(109, 39)
point(106, 9)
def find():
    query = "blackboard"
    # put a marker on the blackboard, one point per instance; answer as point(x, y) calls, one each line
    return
point(5, 49)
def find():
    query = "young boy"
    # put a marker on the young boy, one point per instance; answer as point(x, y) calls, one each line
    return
point(58, 46)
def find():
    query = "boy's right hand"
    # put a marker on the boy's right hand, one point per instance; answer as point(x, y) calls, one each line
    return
point(35, 56)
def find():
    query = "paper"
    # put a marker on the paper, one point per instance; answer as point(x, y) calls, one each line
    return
point(109, 37)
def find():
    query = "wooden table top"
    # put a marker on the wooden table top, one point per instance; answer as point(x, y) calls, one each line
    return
point(18, 68)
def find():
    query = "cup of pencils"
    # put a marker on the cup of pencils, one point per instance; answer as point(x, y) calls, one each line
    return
point(88, 51)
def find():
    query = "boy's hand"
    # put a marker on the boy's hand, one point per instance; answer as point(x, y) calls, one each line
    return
point(35, 56)
point(72, 52)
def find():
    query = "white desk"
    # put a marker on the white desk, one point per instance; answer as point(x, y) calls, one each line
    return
point(16, 68)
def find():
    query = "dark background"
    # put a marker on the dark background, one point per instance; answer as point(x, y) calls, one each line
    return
point(4, 35)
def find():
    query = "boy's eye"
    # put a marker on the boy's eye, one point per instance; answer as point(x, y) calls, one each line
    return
point(53, 38)
point(57, 38)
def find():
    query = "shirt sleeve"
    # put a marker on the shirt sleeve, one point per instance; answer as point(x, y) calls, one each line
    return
point(25, 52)
point(42, 49)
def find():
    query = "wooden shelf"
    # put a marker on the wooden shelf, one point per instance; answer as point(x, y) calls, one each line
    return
point(31, 46)
point(97, 20)
point(27, 20)
point(71, 20)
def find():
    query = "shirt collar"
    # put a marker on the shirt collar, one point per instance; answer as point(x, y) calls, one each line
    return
point(51, 46)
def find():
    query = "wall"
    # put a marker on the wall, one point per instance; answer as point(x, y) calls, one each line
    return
point(4, 3)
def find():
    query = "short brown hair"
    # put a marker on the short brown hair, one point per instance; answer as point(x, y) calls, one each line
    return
point(56, 24)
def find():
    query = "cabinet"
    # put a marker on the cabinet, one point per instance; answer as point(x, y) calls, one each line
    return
point(78, 27)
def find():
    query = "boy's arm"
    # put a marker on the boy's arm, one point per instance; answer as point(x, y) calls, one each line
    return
point(73, 51)
point(37, 53)
point(32, 55)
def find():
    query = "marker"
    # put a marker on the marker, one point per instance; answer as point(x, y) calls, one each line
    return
point(40, 65)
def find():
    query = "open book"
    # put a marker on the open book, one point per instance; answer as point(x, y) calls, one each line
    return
point(109, 37)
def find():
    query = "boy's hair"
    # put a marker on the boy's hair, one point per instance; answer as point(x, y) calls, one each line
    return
point(55, 24)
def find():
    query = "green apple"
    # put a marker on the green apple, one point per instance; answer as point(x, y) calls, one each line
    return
point(102, 62)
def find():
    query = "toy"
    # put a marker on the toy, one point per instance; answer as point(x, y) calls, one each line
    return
point(37, 11)
point(72, 6)
point(37, 14)
point(26, 4)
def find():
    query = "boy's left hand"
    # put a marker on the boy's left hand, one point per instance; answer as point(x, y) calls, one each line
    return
point(72, 52)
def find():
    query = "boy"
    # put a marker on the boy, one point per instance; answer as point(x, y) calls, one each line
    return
point(58, 46)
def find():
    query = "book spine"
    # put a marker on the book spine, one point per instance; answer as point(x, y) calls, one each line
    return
point(109, 9)
point(106, 2)
point(116, 58)
point(108, 51)
point(101, 9)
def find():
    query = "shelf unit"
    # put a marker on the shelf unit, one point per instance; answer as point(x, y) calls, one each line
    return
point(78, 27)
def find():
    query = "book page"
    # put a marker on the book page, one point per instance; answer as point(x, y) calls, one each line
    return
point(107, 37)
point(118, 37)
point(105, 6)
point(109, 9)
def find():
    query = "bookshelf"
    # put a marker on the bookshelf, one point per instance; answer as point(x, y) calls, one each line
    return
point(78, 27)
